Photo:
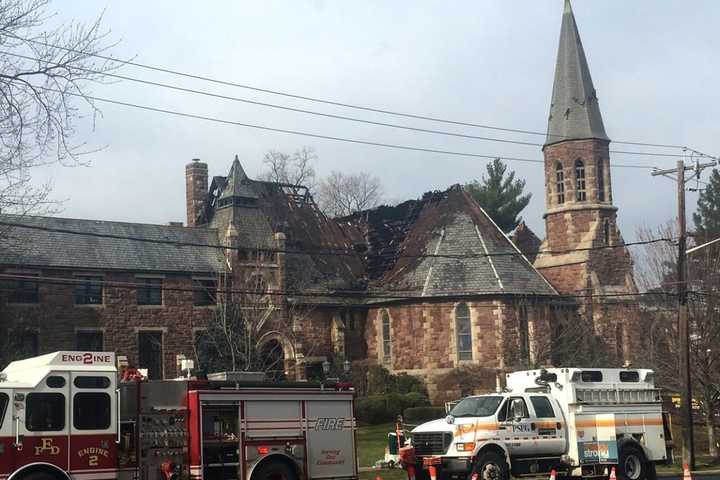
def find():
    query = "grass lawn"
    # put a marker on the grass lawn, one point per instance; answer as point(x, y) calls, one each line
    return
point(371, 441)
point(394, 474)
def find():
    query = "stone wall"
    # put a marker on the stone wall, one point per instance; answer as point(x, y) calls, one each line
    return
point(424, 341)
point(57, 319)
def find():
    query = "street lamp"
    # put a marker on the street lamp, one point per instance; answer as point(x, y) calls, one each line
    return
point(346, 366)
point(326, 367)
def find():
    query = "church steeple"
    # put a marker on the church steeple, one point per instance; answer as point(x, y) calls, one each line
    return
point(574, 110)
point(238, 189)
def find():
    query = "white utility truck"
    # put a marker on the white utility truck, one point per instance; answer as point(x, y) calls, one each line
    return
point(579, 422)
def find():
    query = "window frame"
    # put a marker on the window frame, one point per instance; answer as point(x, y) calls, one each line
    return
point(100, 333)
point(107, 408)
point(161, 334)
point(32, 395)
point(4, 402)
point(463, 355)
point(544, 399)
point(24, 291)
point(82, 294)
point(145, 288)
point(560, 183)
point(386, 335)
point(204, 295)
point(107, 382)
point(580, 186)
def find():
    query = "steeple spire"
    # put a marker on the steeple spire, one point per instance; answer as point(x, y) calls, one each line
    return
point(237, 185)
point(574, 111)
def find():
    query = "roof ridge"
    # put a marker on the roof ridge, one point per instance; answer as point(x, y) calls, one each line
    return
point(115, 222)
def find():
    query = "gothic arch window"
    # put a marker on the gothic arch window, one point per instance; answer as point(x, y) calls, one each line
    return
point(601, 180)
point(580, 194)
point(560, 183)
point(524, 333)
point(386, 336)
point(463, 332)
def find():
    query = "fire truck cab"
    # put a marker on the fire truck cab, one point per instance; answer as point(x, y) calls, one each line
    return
point(66, 416)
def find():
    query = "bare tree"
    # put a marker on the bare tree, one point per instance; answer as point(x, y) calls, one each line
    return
point(45, 73)
point(341, 194)
point(658, 273)
point(295, 169)
point(251, 324)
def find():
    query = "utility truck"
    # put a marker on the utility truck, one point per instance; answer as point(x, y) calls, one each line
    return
point(70, 416)
point(579, 422)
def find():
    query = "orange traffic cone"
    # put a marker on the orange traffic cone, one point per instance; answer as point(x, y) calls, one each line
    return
point(612, 474)
point(553, 474)
point(433, 472)
point(378, 477)
point(686, 472)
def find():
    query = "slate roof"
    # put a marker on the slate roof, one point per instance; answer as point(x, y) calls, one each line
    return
point(574, 110)
point(50, 243)
point(237, 183)
point(453, 228)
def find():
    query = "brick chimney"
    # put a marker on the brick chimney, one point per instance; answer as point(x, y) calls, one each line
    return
point(196, 190)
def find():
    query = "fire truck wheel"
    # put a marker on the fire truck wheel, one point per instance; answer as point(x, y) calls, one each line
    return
point(633, 465)
point(39, 476)
point(273, 470)
point(491, 466)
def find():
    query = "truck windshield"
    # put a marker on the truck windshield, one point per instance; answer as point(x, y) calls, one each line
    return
point(476, 407)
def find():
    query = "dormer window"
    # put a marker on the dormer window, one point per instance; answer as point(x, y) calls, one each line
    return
point(560, 183)
point(580, 194)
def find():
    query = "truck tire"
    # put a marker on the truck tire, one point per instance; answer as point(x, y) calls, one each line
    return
point(491, 466)
point(39, 475)
point(633, 465)
point(273, 470)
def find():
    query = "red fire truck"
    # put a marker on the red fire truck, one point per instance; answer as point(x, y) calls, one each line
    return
point(67, 416)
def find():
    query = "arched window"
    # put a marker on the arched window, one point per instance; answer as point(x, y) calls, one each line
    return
point(560, 183)
point(463, 332)
point(524, 334)
point(386, 339)
point(601, 180)
point(580, 194)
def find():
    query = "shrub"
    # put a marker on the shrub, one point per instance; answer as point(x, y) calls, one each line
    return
point(386, 408)
point(423, 414)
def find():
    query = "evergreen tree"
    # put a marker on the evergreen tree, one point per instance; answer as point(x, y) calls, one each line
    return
point(500, 196)
point(707, 217)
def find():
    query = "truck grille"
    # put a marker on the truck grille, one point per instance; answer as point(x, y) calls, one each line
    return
point(431, 443)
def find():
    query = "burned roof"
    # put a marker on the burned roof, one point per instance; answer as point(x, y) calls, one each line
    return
point(443, 244)
point(99, 245)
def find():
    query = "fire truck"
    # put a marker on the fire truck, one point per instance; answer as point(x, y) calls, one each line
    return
point(579, 422)
point(68, 416)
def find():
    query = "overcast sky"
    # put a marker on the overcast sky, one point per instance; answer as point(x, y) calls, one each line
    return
point(654, 64)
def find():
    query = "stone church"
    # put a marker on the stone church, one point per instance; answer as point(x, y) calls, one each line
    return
point(422, 287)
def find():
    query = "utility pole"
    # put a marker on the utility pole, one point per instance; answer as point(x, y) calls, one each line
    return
point(683, 325)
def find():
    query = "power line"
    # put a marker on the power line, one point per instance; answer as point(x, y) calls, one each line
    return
point(323, 251)
point(315, 135)
point(315, 99)
point(321, 114)
point(348, 294)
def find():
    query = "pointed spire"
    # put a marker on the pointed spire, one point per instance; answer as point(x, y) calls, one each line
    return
point(238, 184)
point(574, 111)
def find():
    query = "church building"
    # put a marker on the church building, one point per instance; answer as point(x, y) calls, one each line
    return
point(425, 287)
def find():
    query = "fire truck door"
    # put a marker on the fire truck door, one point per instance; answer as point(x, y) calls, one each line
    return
point(7, 434)
point(42, 423)
point(93, 426)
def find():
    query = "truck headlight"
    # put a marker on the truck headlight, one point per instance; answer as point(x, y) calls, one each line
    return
point(465, 447)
